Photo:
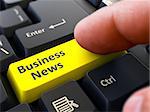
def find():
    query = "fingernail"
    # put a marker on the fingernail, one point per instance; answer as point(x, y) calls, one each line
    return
point(134, 104)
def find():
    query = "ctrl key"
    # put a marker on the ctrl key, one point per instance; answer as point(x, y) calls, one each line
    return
point(112, 83)
point(67, 98)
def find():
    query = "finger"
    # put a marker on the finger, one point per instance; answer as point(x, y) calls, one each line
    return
point(115, 28)
point(138, 102)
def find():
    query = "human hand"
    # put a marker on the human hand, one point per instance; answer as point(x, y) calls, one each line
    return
point(117, 28)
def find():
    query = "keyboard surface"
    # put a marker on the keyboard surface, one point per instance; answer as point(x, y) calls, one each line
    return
point(42, 67)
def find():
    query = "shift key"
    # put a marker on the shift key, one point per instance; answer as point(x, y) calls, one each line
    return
point(35, 75)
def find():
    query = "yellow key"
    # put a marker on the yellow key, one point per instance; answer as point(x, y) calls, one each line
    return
point(34, 75)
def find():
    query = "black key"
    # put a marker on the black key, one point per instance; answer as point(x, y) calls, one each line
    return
point(96, 3)
point(10, 3)
point(7, 54)
point(12, 19)
point(110, 85)
point(20, 108)
point(58, 19)
point(3, 94)
point(67, 98)
point(140, 51)
point(11, 100)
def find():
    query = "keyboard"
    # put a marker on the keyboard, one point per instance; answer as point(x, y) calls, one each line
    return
point(42, 67)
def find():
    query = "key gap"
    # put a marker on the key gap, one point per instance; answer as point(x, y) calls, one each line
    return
point(32, 15)
point(85, 91)
point(15, 46)
point(37, 106)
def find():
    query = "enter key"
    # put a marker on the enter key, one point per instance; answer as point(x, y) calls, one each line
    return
point(35, 75)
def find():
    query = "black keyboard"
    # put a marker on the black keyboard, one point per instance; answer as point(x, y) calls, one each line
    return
point(42, 68)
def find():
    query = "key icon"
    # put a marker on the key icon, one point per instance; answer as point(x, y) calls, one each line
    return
point(2, 49)
point(64, 105)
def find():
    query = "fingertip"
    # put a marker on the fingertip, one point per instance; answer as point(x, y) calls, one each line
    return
point(138, 102)
point(133, 104)
point(110, 29)
point(86, 34)
point(78, 33)
point(92, 34)
point(82, 34)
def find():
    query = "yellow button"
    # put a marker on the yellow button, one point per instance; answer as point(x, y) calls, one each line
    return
point(34, 75)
